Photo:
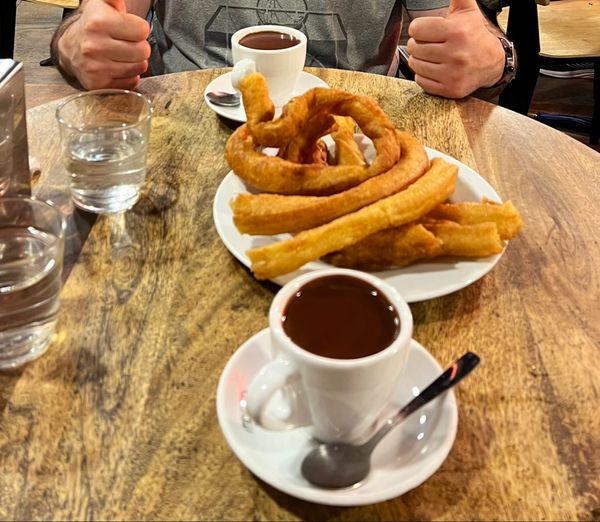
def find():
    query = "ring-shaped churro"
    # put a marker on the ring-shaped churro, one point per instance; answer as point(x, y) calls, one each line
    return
point(269, 132)
point(347, 151)
point(274, 214)
point(274, 174)
point(303, 145)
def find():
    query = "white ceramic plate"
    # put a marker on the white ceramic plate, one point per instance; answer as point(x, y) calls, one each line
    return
point(407, 457)
point(305, 82)
point(418, 282)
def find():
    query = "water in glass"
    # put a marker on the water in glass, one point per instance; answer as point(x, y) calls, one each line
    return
point(6, 162)
point(107, 168)
point(30, 281)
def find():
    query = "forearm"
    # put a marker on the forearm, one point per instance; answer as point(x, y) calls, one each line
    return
point(57, 47)
point(492, 26)
point(495, 88)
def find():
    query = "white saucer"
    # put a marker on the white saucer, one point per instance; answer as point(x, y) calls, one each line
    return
point(305, 82)
point(417, 282)
point(407, 457)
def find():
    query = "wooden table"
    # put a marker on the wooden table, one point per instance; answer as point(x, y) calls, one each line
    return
point(117, 420)
point(65, 4)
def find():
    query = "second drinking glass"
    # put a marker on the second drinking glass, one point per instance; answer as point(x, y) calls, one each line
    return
point(104, 145)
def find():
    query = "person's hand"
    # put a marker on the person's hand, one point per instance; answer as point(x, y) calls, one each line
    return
point(106, 47)
point(456, 55)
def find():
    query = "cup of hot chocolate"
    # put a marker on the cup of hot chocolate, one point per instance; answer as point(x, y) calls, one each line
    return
point(275, 51)
point(340, 340)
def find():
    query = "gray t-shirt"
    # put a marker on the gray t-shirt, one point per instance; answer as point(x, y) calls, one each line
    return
point(348, 34)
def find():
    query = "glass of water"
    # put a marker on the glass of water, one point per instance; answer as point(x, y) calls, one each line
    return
point(31, 258)
point(104, 144)
point(6, 152)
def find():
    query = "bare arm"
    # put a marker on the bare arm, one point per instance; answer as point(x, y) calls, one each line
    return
point(104, 44)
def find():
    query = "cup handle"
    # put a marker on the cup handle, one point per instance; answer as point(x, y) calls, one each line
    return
point(240, 70)
point(278, 375)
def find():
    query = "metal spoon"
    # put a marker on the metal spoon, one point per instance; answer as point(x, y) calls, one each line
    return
point(339, 465)
point(224, 99)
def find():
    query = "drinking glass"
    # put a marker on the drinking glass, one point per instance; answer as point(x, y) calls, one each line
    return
point(104, 145)
point(5, 163)
point(31, 258)
point(6, 152)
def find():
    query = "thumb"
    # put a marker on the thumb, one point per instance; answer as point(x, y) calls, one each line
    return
point(461, 6)
point(119, 5)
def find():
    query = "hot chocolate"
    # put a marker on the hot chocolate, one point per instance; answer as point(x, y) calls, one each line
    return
point(269, 40)
point(340, 317)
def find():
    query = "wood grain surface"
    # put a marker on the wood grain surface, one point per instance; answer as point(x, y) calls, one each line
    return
point(65, 4)
point(118, 421)
point(39, 94)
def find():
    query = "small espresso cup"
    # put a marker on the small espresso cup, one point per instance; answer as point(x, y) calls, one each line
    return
point(340, 340)
point(260, 48)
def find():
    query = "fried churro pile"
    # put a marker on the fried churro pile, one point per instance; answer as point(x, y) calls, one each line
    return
point(388, 213)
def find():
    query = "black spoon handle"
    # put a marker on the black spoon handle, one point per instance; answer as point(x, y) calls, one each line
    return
point(457, 371)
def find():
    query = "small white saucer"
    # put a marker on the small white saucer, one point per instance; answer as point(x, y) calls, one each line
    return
point(305, 82)
point(407, 457)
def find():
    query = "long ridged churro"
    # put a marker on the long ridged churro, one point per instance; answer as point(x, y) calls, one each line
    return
point(434, 187)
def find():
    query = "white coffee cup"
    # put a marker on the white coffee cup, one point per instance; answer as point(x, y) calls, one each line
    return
point(341, 398)
point(280, 67)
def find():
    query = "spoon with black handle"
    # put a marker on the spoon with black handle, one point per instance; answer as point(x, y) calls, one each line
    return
point(335, 465)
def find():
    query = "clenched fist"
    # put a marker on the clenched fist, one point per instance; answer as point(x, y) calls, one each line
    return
point(455, 55)
point(106, 47)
